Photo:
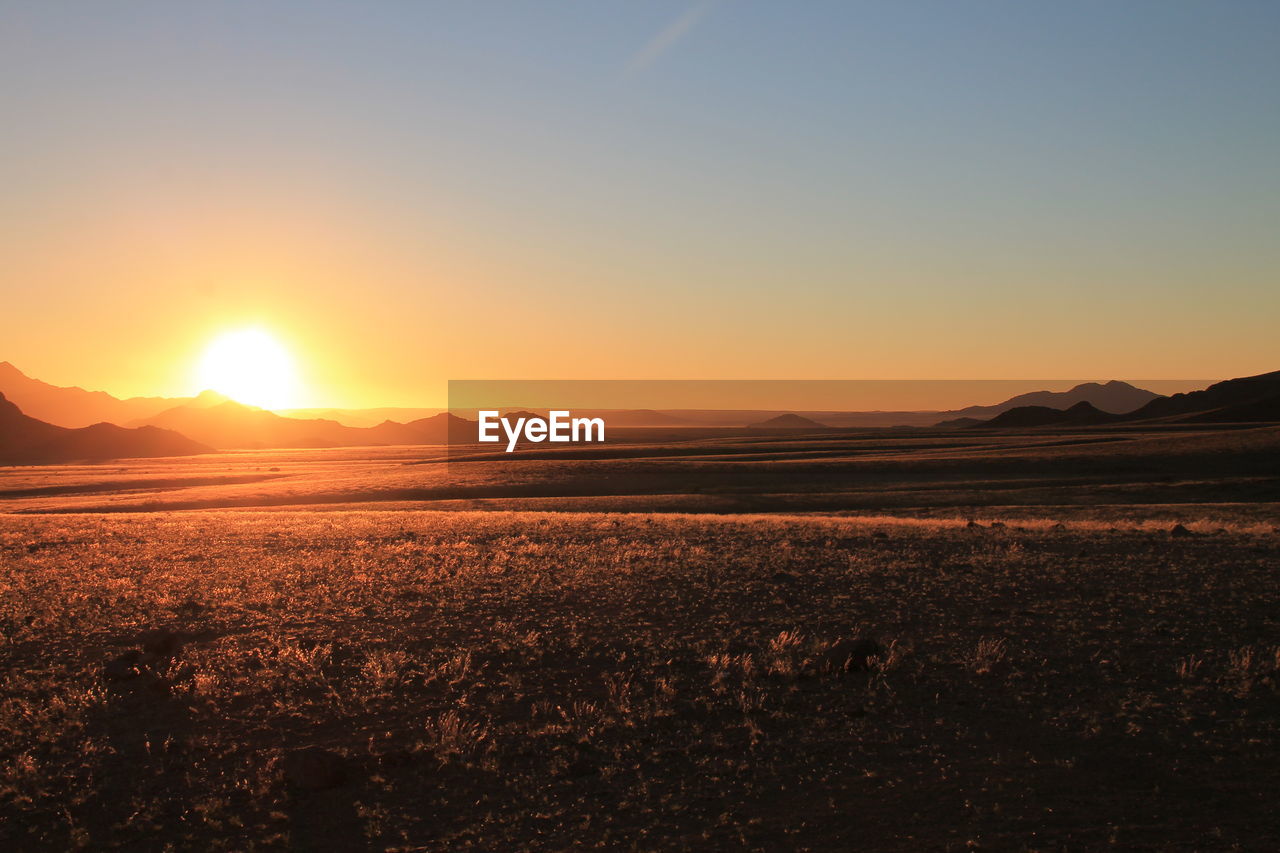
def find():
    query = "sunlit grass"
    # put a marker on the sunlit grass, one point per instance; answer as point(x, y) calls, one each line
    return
point(643, 680)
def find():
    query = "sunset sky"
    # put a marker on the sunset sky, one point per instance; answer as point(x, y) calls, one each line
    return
point(403, 193)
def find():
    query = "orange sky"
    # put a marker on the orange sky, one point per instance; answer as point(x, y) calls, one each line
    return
point(421, 195)
point(126, 297)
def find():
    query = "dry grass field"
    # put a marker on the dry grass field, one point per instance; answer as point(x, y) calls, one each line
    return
point(394, 680)
point(882, 640)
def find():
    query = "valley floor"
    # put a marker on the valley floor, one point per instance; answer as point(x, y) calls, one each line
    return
point(1062, 679)
point(903, 472)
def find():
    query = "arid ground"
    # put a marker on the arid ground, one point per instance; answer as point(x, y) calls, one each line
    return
point(1016, 642)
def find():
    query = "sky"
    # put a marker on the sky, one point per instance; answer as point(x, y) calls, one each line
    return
point(404, 193)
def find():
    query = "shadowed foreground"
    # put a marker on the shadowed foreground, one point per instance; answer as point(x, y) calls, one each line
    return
point(388, 680)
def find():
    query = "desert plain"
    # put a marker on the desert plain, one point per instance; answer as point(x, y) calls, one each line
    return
point(892, 640)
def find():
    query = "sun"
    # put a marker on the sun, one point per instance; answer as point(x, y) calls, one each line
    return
point(249, 366)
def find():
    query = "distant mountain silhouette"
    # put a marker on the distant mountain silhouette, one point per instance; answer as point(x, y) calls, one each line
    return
point(25, 440)
point(1247, 399)
point(1263, 410)
point(205, 399)
point(788, 421)
point(234, 426)
point(362, 417)
point(1081, 414)
point(960, 423)
point(637, 418)
point(76, 407)
point(1250, 399)
point(1114, 397)
point(612, 417)
point(444, 428)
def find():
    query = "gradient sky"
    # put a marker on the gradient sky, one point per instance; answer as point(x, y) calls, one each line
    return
point(407, 192)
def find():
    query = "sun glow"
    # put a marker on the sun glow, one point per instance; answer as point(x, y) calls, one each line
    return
point(249, 366)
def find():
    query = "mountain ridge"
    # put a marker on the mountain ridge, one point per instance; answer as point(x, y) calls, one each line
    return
point(25, 440)
point(1251, 397)
point(1112, 397)
point(1248, 399)
point(72, 406)
point(1083, 413)
point(789, 420)
point(234, 426)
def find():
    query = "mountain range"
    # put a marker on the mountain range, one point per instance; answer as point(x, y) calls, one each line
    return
point(25, 440)
point(1250, 399)
point(362, 417)
point(47, 422)
point(1022, 417)
point(233, 426)
point(76, 407)
point(1114, 397)
point(789, 422)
